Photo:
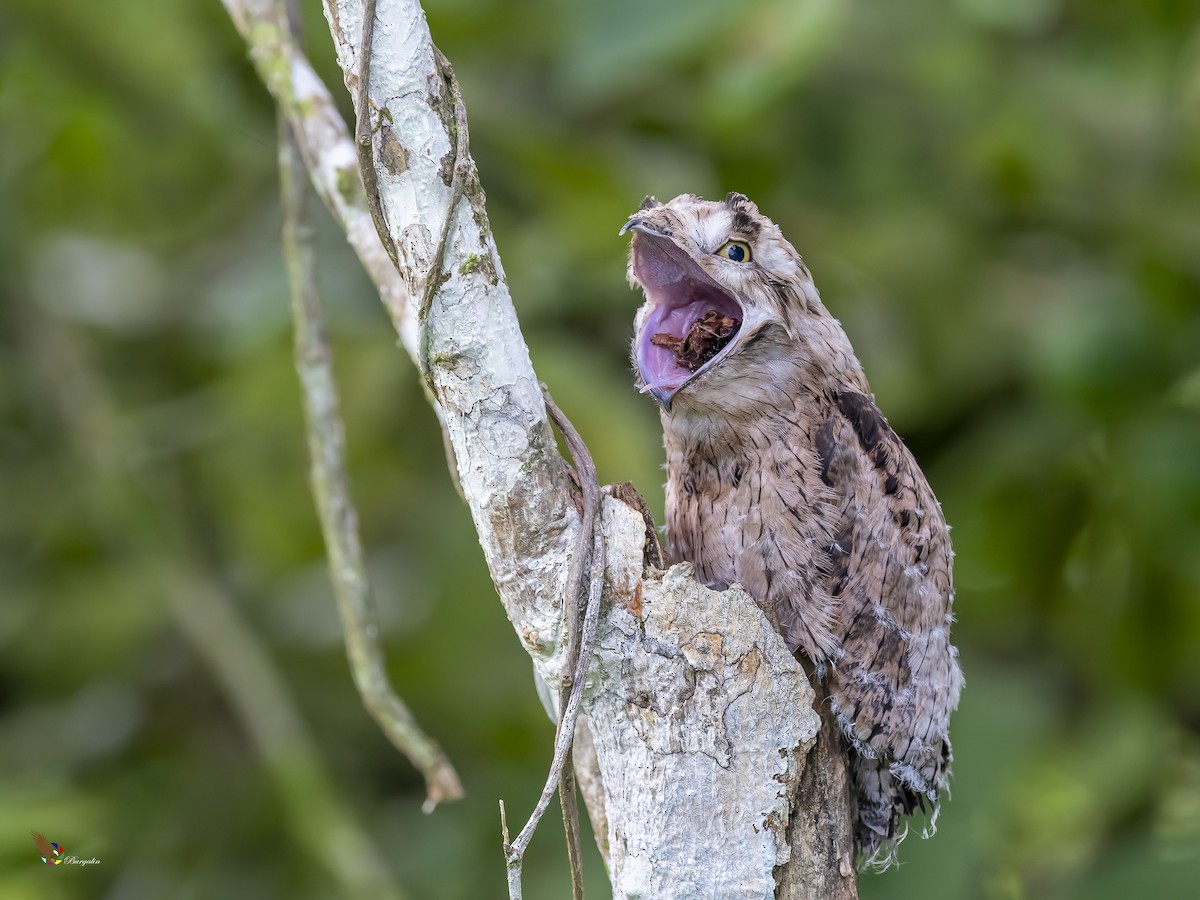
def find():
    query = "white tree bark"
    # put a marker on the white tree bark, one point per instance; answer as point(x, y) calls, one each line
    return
point(700, 718)
point(512, 476)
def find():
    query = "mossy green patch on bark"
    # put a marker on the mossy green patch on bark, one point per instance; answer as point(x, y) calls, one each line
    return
point(269, 52)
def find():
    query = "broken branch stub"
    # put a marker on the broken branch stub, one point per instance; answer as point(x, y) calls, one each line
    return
point(701, 721)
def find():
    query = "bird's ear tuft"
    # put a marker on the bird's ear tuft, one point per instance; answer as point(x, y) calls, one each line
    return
point(745, 219)
point(649, 202)
point(738, 202)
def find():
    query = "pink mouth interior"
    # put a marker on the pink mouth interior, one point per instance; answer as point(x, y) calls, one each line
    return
point(680, 294)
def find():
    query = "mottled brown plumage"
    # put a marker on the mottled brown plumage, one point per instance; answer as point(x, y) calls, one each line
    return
point(785, 478)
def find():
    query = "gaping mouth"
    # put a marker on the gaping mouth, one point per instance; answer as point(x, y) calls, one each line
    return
point(691, 319)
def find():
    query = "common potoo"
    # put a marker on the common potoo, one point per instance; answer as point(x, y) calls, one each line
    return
point(784, 477)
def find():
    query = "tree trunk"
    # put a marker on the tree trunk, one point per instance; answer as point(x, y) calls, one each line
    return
point(821, 832)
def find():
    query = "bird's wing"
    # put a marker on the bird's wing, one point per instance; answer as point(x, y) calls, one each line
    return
point(898, 679)
point(43, 845)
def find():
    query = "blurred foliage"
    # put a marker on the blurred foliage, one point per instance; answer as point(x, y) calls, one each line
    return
point(999, 198)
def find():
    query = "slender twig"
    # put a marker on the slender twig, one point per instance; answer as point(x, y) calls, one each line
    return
point(364, 132)
point(326, 143)
point(331, 490)
point(329, 148)
point(462, 159)
point(567, 791)
point(364, 140)
point(514, 872)
point(587, 564)
point(568, 800)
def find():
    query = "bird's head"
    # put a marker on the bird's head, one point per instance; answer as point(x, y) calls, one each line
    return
point(726, 297)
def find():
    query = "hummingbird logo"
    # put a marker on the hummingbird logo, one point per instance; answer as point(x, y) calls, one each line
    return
point(50, 851)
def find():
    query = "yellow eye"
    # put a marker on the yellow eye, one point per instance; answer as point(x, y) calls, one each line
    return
point(738, 251)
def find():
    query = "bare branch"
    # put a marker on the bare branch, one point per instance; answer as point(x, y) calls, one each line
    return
point(513, 479)
point(331, 490)
point(585, 476)
point(325, 144)
point(331, 158)
point(514, 872)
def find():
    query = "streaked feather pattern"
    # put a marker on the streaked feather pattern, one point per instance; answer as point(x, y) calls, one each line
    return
point(784, 476)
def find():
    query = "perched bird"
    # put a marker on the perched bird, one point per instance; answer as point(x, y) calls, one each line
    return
point(784, 477)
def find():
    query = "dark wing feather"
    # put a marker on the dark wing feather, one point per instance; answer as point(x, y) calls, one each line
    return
point(43, 845)
point(898, 679)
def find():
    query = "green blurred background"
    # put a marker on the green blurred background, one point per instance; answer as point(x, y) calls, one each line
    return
point(1000, 199)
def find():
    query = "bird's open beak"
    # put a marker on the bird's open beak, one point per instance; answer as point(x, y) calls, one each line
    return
point(633, 220)
point(678, 294)
point(662, 396)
